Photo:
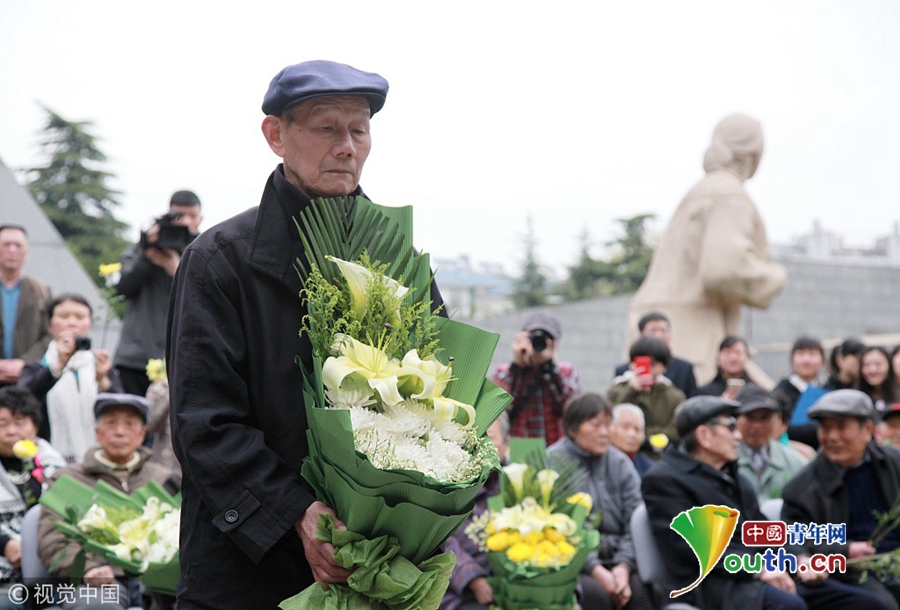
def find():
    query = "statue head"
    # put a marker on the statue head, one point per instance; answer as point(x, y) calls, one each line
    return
point(737, 146)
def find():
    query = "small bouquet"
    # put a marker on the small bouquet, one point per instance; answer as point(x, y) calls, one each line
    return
point(536, 536)
point(137, 532)
point(397, 403)
point(884, 566)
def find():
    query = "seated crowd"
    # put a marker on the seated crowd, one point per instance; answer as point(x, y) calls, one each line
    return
point(821, 446)
point(817, 448)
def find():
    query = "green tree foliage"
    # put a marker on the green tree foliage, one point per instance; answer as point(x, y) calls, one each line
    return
point(621, 271)
point(73, 192)
point(531, 288)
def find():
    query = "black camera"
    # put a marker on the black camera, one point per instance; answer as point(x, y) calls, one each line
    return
point(539, 339)
point(82, 344)
point(171, 236)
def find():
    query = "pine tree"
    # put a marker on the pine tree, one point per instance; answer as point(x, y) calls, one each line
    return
point(530, 289)
point(73, 192)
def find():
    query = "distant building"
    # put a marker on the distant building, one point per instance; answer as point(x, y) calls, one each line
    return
point(828, 247)
point(473, 291)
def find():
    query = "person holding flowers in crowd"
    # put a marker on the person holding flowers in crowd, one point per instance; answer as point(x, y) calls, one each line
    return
point(609, 577)
point(120, 460)
point(238, 423)
point(69, 377)
point(25, 463)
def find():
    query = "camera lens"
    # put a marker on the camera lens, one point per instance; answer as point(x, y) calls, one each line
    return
point(538, 340)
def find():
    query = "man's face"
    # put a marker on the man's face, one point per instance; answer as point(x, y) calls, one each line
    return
point(190, 216)
point(120, 431)
point(757, 427)
point(627, 432)
point(806, 363)
point(722, 439)
point(326, 145)
point(13, 251)
point(593, 434)
point(843, 439)
point(659, 329)
point(733, 360)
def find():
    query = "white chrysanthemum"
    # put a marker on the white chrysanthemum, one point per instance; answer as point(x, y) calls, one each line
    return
point(400, 420)
point(348, 398)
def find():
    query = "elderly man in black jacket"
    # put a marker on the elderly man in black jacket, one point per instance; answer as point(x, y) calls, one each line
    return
point(238, 423)
point(849, 479)
point(703, 470)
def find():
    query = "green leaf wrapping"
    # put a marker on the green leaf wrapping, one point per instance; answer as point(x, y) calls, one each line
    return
point(538, 588)
point(382, 578)
point(72, 499)
point(394, 517)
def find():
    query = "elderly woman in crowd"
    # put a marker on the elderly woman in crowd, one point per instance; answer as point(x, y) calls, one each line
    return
point(24, 469)
point(609, 577)
point(69, 377)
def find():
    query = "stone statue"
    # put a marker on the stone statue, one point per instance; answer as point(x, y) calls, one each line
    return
point(714, 255)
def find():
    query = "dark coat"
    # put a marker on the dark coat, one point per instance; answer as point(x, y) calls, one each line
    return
point(238, 421)
point(678, 483)
point(680, 373)
point(817, 493)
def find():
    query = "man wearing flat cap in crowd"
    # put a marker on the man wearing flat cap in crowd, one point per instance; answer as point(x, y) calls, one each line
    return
point(120, 460)
point(540, 386)
point(766, 463)
point(248, 520)
point(702, 470)
point(850, 479)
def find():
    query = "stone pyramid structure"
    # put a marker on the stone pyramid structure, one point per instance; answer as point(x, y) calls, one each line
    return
point(50, 260)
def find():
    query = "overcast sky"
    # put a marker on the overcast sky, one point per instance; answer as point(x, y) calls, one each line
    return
point(575, 113)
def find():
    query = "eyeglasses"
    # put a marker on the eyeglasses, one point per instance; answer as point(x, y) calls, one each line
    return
point(730, 423)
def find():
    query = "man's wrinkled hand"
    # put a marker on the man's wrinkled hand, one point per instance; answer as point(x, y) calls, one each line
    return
point(320, 555)
point(101, 575)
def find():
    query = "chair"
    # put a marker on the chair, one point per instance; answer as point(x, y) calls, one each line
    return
point(771, 508)
point(33, 571)
point(650, 564)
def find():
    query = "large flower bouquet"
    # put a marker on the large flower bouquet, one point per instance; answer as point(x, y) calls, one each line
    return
point(137, 532)
point(535, 535)
point(397, 403)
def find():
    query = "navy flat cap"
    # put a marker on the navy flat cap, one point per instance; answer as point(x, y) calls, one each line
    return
point(700, 409)
point(106, 400)
point(310, 79)
point(842, 403)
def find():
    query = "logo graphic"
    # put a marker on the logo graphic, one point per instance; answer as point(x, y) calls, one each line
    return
point(707, 530)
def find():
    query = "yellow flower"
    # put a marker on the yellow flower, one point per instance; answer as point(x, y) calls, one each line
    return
point(565, 549)
point(533, 538)
point(156, 369)
point(659, 441)
point(25, 449)
point(519, 552)
point(552, 534)
point(109, 269)
point(581, 498)
point(498, 542)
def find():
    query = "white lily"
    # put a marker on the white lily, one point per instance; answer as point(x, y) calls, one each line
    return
point(426, 379)
point(358, 278)
point(367, 361)
point(515, 472)
point(546, 479)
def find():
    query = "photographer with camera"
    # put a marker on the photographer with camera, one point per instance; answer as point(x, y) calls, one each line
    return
point(539, 385)
point(148, 269)
point(69, 376)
